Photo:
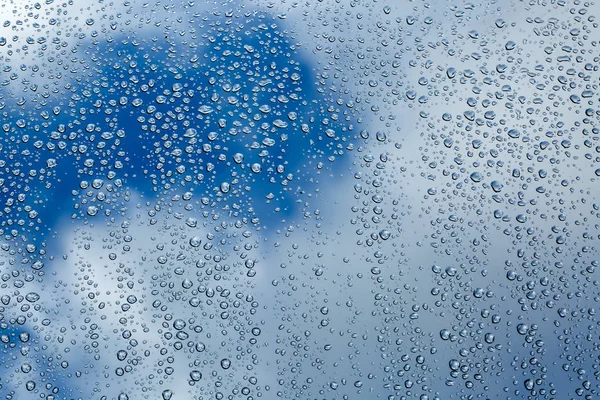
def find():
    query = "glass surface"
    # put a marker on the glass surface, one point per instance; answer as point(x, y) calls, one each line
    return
point(328, 199)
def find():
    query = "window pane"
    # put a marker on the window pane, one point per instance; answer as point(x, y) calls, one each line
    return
point(299, 200)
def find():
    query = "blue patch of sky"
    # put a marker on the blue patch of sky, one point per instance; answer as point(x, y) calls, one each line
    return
point(246, 61)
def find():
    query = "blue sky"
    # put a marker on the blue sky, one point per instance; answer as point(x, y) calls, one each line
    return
point(133, 149)
point(95, 141)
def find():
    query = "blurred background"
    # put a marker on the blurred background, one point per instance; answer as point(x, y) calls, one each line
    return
point(319, 200)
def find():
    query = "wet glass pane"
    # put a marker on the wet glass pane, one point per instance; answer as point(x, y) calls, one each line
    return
point(329, 199)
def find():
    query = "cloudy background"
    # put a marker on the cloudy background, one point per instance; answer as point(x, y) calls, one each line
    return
point(431, 233)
